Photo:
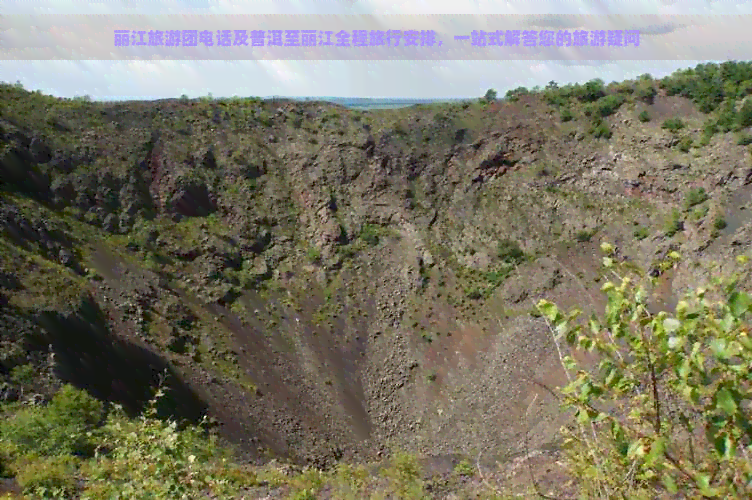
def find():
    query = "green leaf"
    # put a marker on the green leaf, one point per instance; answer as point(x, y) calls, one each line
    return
point(656, 451)
point(607, 248)
point(703, 482)
point(608, 261)
point(671, 324)
point(739, 303)
point(725, 401)
point(676, 342)
point(720, 349)
point(670, 484)
point(548, 309)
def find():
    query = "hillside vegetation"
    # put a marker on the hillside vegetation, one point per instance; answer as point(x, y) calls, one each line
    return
point(544, 295)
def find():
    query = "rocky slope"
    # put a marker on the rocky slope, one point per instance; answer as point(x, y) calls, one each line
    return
point(331, 284)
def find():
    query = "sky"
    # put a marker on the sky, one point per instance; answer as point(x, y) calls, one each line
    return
point(141, 79)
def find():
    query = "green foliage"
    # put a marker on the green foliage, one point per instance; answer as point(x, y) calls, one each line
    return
point(151, 458)
point(566, 115)
point(744, 140)
point(728, 118)
point(491, 95)
point(591, 91)
point(314, 254)
point(66, 449)
point(744, 117)
point(62, 427)
point(608, 105)
point(708, 85)
point(641, 233)
point(48, 477)
point(695, 196)
point(371, 234)
point(584, 235)
point(700, 212)
point(514, 94)
point(644, 116)
point(673, 224)
point(464, 468)
point(685, 144)
point(405, 476)
point(509, 251)
point(673, 124)
point(666, 409)
point(645, 91)
point(719, 223)
point(600, 130)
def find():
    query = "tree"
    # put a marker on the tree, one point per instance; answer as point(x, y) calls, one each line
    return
point(490, 95)
point(745, 114)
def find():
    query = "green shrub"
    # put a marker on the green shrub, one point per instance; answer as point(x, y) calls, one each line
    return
point(48, 477)
point(509, 251)
point(591, 91)
point(685, 144)
point(744, 116)
point(719, 223)
point(644, 116)
point(673, 124)
point(641, 233)
point(371, 234)
point(405, 476)
point(660, 378)
point(695, 196)
point(700, 212)
point(744, 140)
point(464, 468)
point(59, 428)
point(606, 106)
point(566, 115)
point(584, 235)
point(600, 130)
point(151, 458)
point(673, 224)
point(645, 91)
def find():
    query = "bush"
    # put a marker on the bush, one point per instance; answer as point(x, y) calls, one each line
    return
point(591, 91)
point(673, 224)
point(566, 115)
point(641, 233)
point(719, 223)
point(695, 196)
point(744, 140)
point(509, 251)
point(744, 117)
point(685, 144)
point(48, 477)
point(645, 91)
point(644, 116)
point(405, 476)
point(728, 118)
point(607, 106)
point(600, 129)
point(584, 235)
point(660, 379)
point(151, 458)
point(60, 428)
point(673, 124)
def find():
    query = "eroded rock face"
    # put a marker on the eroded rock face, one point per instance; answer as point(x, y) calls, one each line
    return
point(350, 272)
